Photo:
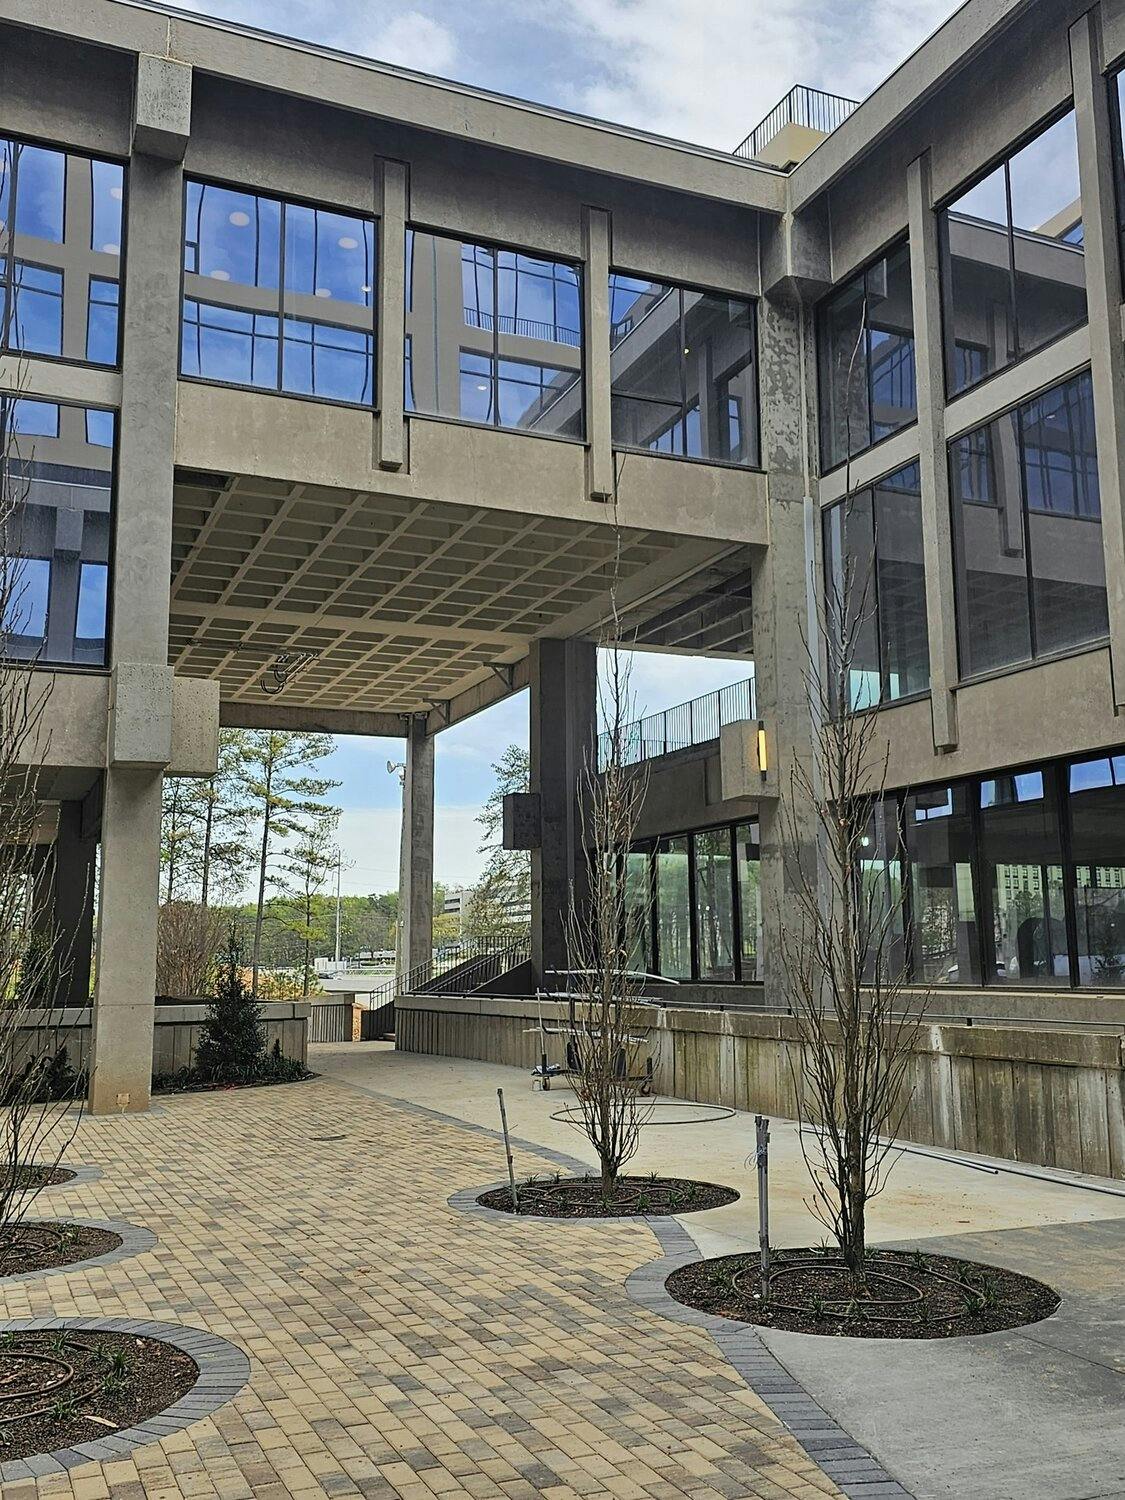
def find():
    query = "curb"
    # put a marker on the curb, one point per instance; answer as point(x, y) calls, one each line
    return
point(134, 1241)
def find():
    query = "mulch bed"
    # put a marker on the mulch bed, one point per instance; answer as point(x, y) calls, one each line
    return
point(908, 1294)
point(35, 1175)
point(59, 1387)
point(36, 1245)
point(189, 1082)
point(582, 1197)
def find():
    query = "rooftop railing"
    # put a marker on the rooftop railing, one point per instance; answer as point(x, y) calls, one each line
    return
point(678, 728)
point(802, 105)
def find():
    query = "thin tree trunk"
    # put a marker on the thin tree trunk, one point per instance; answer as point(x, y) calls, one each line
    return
point(257, 952)
point(207, 823)
point(173, 840)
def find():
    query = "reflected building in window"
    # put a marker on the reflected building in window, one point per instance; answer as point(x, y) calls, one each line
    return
point(59, 474)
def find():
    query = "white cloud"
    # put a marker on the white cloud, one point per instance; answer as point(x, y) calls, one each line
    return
point(412, 40)
point(709, 74)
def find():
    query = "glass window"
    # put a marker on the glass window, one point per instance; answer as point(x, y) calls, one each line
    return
point(937, 833)
point(882, 911)
point(865, 339)
point(59, 461)
point(875, 591)
point(1097, 839)
point(1029, 565)
point(493, 336)
point(747, 868)
point(673, 908)
point(1021, 855)
point(309, 331)
point(714, 904)
point(682, 370)
point(66, 214)
point(638, 909)
point(1013, 258)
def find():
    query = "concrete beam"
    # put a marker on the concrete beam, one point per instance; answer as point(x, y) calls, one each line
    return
point(416, 851)
point(269, 713)
point(1096, 154)
point(74, 872)
point(937, 541)
point(596, 230)
point(162, 108)
point(393, 209)
point(366, 625)
point(506, 679)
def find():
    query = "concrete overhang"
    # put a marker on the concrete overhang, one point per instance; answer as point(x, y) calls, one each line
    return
point(939, 58)
point(300, 69)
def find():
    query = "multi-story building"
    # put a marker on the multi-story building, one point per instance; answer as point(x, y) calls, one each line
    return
point(346, 397)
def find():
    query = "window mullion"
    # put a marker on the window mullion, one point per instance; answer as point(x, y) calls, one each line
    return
point(283, 215)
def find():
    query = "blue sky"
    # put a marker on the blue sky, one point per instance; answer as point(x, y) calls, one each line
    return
point(703, 73)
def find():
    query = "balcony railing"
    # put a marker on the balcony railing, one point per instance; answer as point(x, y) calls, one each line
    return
point(812, 108)
point(691, 723)
point(524, 328)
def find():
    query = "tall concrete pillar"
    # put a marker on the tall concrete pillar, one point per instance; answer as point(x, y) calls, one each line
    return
point(563, 717)
point(140, 732)
point(1096, 153)
point(74, 874)
point(785, 617)
point(416, 851)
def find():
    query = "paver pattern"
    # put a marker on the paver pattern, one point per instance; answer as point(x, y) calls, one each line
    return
point(398, 1348)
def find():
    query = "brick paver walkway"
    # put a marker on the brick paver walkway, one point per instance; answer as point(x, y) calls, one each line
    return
point(398, 1348)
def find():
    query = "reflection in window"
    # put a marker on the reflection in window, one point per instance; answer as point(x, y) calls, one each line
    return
point(1022, 869)
point(938, 837)
point(682, 371)
point(1097, 838)
point(1029, 565)
point(747, 874)
point(714, 904)
point(59, 458)
point(493, 336)
point(638, 910)
point(865, 341)
point(673, 908)
point(875, 589)
point(65, 211)
point(309, 331)
point(1012, 257)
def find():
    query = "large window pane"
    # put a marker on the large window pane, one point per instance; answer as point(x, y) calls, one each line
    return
point(1013, 262)
point(845, 422)
point(673, 908)
point(937, 831)
point(993, 604)
point(748, 869)
point(1097, 836)
point(890, 322)
point(278, 295)
point(852, 601)
point(493, 336)
point(682, 371)
point(901, 585)
point(1022, 866)
point(638, 909)
point(881, 921)
point(1050, 269)
point(714, 914)
point(60, 463)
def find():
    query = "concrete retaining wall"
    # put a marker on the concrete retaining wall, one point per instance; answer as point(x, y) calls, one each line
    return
point(1046, 1096)
point(176, 1033)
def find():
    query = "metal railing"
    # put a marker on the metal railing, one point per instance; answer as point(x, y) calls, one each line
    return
point(802, 105)
point(503, 952)
point(691, 723)
point(524, 328)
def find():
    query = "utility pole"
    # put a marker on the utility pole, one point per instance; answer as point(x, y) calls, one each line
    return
point(339, 862)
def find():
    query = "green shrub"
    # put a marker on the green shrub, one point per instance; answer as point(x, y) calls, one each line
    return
point(232, 1043)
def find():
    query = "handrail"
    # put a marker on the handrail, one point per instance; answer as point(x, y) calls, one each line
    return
point(506, 954)
point(524, 328)
point(802, 105)
point(691, 723)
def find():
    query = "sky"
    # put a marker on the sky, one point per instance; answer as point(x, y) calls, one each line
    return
point(701, 73)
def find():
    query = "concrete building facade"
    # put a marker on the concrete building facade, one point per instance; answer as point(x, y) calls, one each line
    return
point(347, 396)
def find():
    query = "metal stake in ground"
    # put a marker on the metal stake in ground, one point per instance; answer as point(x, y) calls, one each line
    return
point(762, 1154)
point(508, 1152)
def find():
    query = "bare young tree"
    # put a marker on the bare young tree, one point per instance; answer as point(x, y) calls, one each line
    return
point(607, 1025)
point(844, 922)
point(37, 1081)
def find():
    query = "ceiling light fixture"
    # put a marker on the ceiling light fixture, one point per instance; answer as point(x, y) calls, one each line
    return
point(240, 218)
point(346, 242)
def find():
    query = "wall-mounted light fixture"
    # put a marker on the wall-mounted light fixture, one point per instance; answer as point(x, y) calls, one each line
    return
point(763, 754)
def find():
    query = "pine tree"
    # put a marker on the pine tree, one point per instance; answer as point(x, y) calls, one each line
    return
point(503, 892)
point(218, 807)
point(307, 865)
point(231, 1043)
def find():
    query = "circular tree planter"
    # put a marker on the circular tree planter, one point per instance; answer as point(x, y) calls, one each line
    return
point(34, 1175)
point(906, 1294)
point(583, 1198)
point(50, 1244)
point(92, 1389)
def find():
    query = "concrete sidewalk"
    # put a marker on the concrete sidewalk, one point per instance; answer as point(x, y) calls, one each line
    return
point(1033, 1414)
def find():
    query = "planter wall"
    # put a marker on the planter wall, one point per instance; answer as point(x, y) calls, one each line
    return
point(1046, 1096)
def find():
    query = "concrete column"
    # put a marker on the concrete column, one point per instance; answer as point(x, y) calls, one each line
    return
point(392, 190)
point(416, 851)
point(1103, 296)
point(140, 735)
point(563, 703)
point(937, 542)
point(783, 601)
point(75, 850)
point(599, 437)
